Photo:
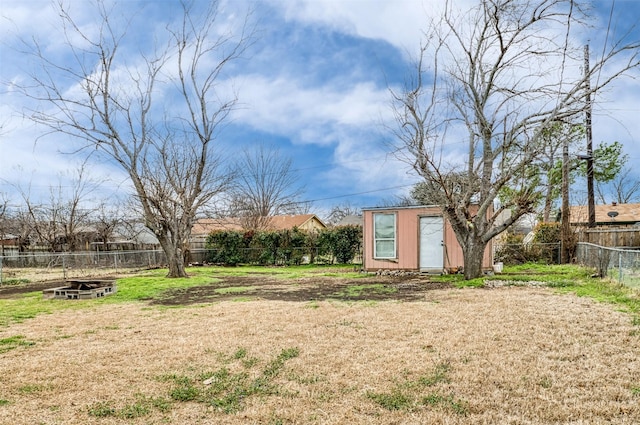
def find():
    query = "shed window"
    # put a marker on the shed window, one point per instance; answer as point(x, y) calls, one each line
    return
point(384, 235)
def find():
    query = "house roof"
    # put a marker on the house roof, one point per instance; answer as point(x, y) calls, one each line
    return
point(204, 226)
point(350, 220)
point(627, 213)
point(279, 222)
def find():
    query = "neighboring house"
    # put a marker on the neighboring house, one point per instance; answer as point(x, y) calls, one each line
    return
point(130, 237)
point(617, 225)
point(614, 214)
point(308, 222)
point(413, 238)
point(203, 227)
point(9, 244)
point(350, 220)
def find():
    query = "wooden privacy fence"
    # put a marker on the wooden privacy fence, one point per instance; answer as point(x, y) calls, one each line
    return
point(611, 237)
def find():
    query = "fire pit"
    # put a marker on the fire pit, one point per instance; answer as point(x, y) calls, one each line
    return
point(82, 290)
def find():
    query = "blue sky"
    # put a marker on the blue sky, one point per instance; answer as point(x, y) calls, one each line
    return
point(315, 84)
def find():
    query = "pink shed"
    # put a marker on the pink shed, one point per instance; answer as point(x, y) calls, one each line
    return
point(413, 238)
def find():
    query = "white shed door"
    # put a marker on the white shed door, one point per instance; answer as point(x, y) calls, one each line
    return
point(431, 243)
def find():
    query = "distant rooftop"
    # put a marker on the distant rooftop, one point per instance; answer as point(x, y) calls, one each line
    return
point(626, 213)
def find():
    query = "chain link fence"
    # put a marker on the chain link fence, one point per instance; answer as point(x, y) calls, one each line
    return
point(57, 266)
point(41, 266)
point(622, 265)
point(520, 253)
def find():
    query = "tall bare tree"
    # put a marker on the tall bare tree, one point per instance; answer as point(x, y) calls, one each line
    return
point(265, 185)
point(155, 115)
point(500, 77)
point(549, 163)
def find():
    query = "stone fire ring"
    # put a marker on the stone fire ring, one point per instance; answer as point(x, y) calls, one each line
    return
point(82, 290)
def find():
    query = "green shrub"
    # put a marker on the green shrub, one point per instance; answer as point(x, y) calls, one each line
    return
point(341, 242)
point(284, 247)
point(228, 247)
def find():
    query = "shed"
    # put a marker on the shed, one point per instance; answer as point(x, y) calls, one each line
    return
point(415, 238)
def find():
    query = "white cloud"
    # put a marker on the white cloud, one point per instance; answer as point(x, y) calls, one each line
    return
point(308, 115)
point(288, 89)
point(399, 22)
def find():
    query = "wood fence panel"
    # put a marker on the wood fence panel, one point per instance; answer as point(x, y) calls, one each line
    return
point(614, 237)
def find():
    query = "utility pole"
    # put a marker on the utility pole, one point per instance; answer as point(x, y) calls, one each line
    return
point(565, 228)
point(589, 156)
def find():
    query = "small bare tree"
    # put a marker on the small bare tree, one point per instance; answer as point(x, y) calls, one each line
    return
point(105, 219)
point(500, 77)
point(5, 220)
point(56, 222)
point(265, 186)
point(155, 115)
point(623, 188)
point(340, 211)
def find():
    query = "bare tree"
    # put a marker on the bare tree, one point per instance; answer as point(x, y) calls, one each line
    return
point(266, 185)
point(76, 206)
point(105, 219)
point(623, 188)
point(476, 118)
point(156, 116)
point(5, 220)
point(57, 221)
point(340, 211)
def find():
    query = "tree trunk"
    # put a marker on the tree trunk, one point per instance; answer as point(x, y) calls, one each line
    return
point(175, 259)
point(176, 264)
point(547, 204)
point(473, 252)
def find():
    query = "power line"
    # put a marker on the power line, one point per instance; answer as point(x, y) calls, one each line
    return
point(352, 194)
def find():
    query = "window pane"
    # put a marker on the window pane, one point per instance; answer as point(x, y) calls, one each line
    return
point(385, 249)
point(385, 226)
point(384, 234)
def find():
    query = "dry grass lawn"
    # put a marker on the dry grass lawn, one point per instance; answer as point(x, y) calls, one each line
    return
point(461, 356)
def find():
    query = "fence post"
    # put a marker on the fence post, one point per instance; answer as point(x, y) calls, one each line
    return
point(619, 267)
point(0, 270)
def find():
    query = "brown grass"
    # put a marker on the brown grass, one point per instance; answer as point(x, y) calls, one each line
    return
point(47, 274)
point(512, 356)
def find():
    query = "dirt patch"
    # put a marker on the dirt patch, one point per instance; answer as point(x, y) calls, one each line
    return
point(303, 290)
point(260, 287)
point(11, 291)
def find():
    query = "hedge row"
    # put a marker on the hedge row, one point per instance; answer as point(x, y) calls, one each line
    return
point(339, 244)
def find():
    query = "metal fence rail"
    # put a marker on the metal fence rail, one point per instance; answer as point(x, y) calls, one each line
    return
point(39, 266)
point(618, 264)
point(518, 253)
